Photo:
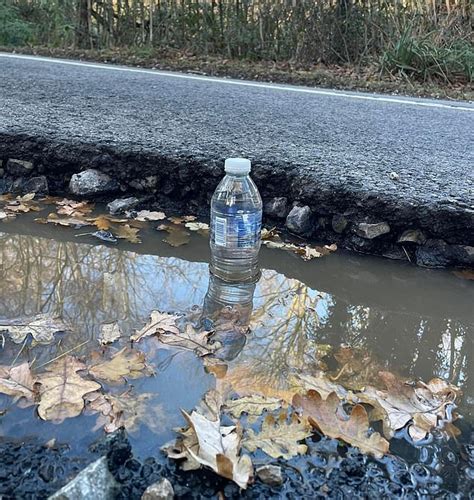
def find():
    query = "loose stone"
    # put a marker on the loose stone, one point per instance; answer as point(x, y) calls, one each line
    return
point(92, 182)
point(412, 236)
point(18, 168)
point(270, 474)
point(162, 490)
point(299, 220)
point(371, 231)
point(339, 223)
point(119, 206)
point(38, 185)
point(276, 207)
point(95, 481)
point(434, 253)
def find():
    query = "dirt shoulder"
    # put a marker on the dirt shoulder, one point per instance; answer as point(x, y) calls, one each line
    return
point(368, 79)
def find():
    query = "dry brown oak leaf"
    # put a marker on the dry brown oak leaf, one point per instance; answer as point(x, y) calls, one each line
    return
point(19, 383)
point(62, 390)
point(327, 416)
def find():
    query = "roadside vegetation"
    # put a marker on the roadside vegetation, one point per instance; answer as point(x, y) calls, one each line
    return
point(342, 43)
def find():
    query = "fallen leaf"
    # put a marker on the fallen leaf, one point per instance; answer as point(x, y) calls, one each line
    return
point(181, 219)
point(64, 221)
point(421, 405)
point(126, 410)
point(268, 234)
point(467, 274)
point(126, 363)
point(42, 328)
point(307, 252)
point(109, 332)
point(197, 226)
point(73, 208)
point(102, 223)
point(126, 232)
point(26, 197)
point(176, 235)
point(301, 383)
point(19, 383)
point(328, 417)
point(146, 215)
point(215, 366)
point(278, 437)
point(211, 404)
point(252, 406)
point(3, 215)
point(159, 323)
point(62, 390)
point(219, 449)
point(191, 340)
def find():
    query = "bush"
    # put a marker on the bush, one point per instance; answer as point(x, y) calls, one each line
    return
point(427, 59)
point(13, 29)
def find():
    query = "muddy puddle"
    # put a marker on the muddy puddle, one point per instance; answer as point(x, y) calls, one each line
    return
point(409, 321)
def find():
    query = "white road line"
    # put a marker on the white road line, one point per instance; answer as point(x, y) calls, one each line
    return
point(305, 90)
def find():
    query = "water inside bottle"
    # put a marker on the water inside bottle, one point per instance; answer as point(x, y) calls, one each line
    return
point(236, 219)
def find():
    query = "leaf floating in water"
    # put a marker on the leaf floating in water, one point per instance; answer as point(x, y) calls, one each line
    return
point(106, 236)
point(102, 223)
point(159, 323)
point(62, 390)
point(200, 227)
point(74, 208)
point(467, 274)
point(252, 406)
point(126, 363)
point(327, 416)
point(176, 237)
point(64, 221)
point(146, 215)
point(127, 410)
point(109, 333)
point(420, 405)
point(278, 438)
point(128, 233)
point(42, 328)
point(181, 219)
point(191, 340)
point(218, 447)
point(19, 383)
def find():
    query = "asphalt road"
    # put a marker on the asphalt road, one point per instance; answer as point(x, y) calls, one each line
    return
point(338, 138)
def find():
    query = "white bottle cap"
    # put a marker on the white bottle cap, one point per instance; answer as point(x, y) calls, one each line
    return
point(239, 166)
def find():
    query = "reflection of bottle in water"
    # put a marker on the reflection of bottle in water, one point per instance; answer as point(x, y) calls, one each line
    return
point(236, 219)
point(227, 309)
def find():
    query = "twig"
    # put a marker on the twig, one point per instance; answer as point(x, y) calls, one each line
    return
point(19, 352)
point(63, 354)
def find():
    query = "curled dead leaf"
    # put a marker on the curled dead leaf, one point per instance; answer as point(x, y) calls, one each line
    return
point(19, 383)
point(159, 323)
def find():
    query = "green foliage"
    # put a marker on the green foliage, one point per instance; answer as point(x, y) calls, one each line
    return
point(13, 29)
point(357, 32)
point(426, 59)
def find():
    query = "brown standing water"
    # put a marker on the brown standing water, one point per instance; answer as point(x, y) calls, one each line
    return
point(415, 322)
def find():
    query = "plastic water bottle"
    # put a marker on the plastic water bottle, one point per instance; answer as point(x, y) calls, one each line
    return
point(236, 220)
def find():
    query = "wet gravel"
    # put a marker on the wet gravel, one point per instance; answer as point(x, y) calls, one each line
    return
point(438, 469)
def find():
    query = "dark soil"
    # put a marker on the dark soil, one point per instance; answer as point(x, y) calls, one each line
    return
point(365, 79)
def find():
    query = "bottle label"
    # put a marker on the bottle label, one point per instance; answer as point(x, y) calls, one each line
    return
point(238, 231)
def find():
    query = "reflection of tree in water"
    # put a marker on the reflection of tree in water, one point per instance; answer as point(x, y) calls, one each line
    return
point(88, 285)
point(294, 322)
